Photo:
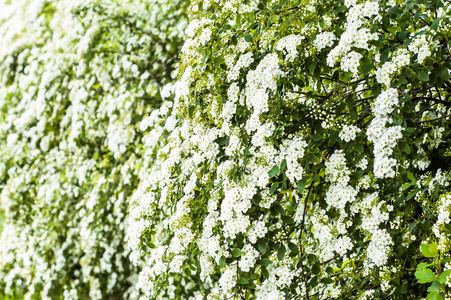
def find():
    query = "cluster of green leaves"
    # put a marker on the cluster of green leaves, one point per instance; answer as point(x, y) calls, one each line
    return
point(424, 274)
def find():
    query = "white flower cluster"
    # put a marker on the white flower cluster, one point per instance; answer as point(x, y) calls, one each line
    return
point(192, 144)
point(384, 138)
point(343, 244)
point(248, 258)
point(258, 230)
point(244, 61)
point(378, 249)
point(288, 45)
point(337, 173)
point(348, 133)
point(350, 62)
point(259, 82)
point(355, 35)
point(322, 232)
point(420, 46)
point(400, 59)
point(372, 217)
point(278, 279)
point(338, 195)
point(443, 218)
point(228, 279)
point(292, 151)
point(325, 39)
point(336, 169)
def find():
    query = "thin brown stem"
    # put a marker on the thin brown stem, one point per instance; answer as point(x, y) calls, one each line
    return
point(435, 119)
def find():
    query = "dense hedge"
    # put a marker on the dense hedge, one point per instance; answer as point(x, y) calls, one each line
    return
point(75, 78)
point(303, 153)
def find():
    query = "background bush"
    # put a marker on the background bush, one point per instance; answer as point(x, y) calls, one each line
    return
point(76, 77)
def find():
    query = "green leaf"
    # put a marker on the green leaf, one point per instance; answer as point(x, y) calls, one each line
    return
point(340, 9)
point(384, 55)
point(219, 60)
point(279, 209)
point(222, 261)
point(312, 258)
point(283, 164)
point(407, 149)
point(402, 80)
point(444, 276)
point(275, 170)
point(434, 24)
point(403, 35)
point(411, 177)
point(423, 265)
point(191, 109)
point(243, 280)
point(301, 185)
point(434, 296)
point(394, 11)
point(248, 38)
point(359, 148)
point(287, 220)
point(366, 60)
point(261, 245)
point(425, 275)
point(281, 253)
point(236, 252)
point(327, 280)
point(238, 20)
point(406, 185)
point(367, 68)
point(273, 188)
point(443, 73)
point(315, 178)
point(316, 269)
point(293, 248)
point(317, 137)
point(313, 158)
point(265, 262)
point(187, 272)
point(423, 76)
point(312, 67)
point(433, 249)
point(435, 286)
point(429, 251)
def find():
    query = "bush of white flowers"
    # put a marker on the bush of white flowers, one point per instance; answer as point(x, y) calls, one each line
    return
point(75, 77)
point(303, 153)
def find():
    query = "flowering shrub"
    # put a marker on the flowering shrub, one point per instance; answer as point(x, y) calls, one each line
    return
point(302, 153)
point(75, 78)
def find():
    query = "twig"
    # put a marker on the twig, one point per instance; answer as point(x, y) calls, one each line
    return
point(430, 120)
